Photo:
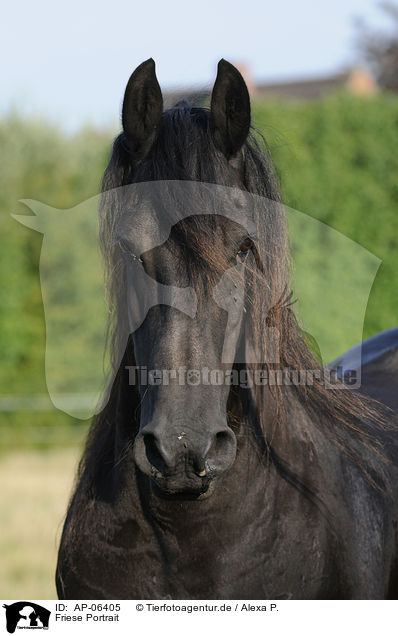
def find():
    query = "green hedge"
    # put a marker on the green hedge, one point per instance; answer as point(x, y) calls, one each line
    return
point(338, 161)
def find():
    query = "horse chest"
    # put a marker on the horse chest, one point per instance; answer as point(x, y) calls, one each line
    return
point(242, 555)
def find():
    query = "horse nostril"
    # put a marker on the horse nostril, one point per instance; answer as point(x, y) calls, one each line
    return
point(222, 451)
point(153, 453)
point(222, 439)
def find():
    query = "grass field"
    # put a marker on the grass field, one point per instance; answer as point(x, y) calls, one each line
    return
point(35, 488)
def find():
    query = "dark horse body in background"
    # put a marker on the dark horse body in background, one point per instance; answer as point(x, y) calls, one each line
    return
point(224, 492)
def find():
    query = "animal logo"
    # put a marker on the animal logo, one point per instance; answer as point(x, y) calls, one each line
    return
point(26, 615)
point(72, 280)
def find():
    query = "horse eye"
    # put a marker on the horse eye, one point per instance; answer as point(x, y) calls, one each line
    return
point(245, 246)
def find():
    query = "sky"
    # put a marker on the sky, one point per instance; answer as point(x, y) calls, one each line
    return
point(70, 62)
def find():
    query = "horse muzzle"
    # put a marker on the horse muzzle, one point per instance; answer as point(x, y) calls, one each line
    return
point(184, 463)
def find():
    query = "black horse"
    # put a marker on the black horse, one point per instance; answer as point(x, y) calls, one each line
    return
point(221, 490)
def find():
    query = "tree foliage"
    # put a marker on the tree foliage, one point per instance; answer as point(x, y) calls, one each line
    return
point(379, 48)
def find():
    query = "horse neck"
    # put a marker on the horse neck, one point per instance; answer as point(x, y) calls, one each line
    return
point(275, 445)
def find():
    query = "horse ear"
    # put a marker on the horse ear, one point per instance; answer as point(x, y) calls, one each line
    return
point(142, 107)
point(230, 109)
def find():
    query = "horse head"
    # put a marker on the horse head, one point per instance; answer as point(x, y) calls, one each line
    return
point(185, 441)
